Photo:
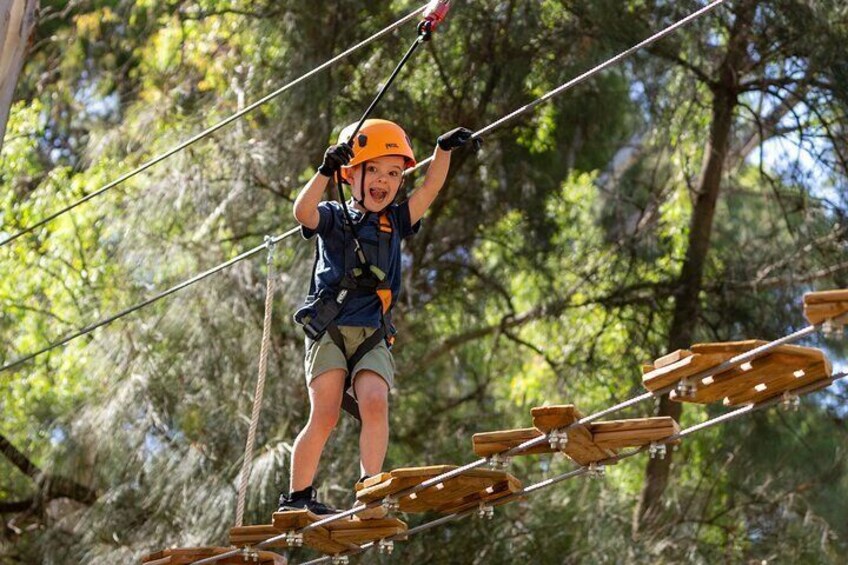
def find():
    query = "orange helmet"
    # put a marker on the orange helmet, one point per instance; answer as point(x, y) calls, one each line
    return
point(377, 138)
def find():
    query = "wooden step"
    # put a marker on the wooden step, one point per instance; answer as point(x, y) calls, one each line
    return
point(580, 447)
point(826, 305)
point(489, 443)
point(495, 495)
point(547, 418)
point(774, 371)
point(332, 538)
point(446, 494)
point(636, 432)
point(662, 375)
point(186, 555)
point(318, 539)
point(778, 383)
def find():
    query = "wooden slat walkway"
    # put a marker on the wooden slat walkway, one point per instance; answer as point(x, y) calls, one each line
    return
point(186, 555)
point(443, 497)
point(586, 444)
point(776, 372)
point(333, 538)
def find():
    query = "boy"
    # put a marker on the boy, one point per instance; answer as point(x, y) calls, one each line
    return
point(356, 280)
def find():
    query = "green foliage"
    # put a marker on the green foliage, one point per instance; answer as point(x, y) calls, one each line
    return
point(546, 272)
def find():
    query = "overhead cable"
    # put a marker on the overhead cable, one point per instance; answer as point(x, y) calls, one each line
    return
point(208, 131)
point(560, 89)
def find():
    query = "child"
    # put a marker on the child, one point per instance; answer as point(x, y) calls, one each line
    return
point(355, 282)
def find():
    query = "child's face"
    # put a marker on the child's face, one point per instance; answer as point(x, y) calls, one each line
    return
point(383, 176)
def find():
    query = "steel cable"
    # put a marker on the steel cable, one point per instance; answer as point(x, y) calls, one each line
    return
point(208, 131)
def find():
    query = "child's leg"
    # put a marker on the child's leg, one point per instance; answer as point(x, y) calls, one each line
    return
point(372, 393)
point(325, 398)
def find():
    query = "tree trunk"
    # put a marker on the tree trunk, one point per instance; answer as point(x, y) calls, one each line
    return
point(17, 20)
point(690, 282)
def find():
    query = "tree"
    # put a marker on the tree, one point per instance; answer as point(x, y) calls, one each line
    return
point(17, 21)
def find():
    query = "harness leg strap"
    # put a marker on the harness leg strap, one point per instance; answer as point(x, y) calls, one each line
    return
point(349, 403)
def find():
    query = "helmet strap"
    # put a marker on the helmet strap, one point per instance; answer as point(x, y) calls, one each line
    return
point(361, 201)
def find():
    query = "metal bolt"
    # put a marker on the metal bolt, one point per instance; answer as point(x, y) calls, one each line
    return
point(596, 470)
point(386, 546)
point(657, 450)
point(791, 401)
point(485, 511)
point(686, 388)
point(391, 504)
point(249, 554)
point(340, 560)
point(558, 439)
point(499, 462)
point(294, 539)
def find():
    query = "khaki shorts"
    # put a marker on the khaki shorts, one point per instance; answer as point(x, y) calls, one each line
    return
point(324, 355)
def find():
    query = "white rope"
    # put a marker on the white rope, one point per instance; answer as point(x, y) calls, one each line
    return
point(247, 464)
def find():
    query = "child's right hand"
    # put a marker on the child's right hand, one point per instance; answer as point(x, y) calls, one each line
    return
point(336, 157)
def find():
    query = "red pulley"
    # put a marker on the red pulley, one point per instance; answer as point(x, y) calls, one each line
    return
point(434, 14)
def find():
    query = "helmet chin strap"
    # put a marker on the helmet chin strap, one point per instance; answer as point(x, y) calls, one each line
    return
point(361, 201)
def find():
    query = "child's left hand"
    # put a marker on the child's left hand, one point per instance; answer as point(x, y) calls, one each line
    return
point(456, 138)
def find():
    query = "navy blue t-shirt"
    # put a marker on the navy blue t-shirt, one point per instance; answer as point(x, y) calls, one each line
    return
point(363, 310)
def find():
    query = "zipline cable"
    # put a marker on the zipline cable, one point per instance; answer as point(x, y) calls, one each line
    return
point(486, 129)
point(588, 74)
point(90, 328)
point(208, 131)
point(742, 411)
point(359, 507)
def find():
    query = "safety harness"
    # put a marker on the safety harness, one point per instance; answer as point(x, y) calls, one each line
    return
point(361, 276)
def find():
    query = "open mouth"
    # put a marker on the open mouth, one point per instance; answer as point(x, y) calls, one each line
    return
point(378, 195)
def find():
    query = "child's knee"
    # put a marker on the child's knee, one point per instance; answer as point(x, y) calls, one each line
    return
point(372, 393)
point(323, 418)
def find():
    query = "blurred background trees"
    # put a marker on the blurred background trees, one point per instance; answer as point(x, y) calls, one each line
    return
point(691, 194)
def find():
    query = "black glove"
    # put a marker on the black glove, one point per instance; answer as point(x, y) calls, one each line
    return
point(456, 138)
point(335, 158)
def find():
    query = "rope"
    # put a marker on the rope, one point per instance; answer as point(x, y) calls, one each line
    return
point(247, 464)
point(208, 131)
point(588, 74)
point(747, 409)
point(490, 127)
point(197, 278)
point(739, 359)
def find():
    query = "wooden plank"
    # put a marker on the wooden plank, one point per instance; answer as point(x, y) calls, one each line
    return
point(686, 367)
point(358, 532)
point(581, 447)
point(617, 434)
point(814, 386)
point(293, 520)
point(251, 535)
point(489, 443)
point(547, 418)
point(491, 495)
point(437, 496)
point(671, 358)
point(317, 539)
point(826, 296)
point(732, 347)
point(763, 369)
point(739, 347)
point(778, 383)
point(632, 424)
point(186, 555)
point(818, 313)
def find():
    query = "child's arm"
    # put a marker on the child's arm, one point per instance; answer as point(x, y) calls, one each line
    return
point(422, 198)
point(306, 203)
